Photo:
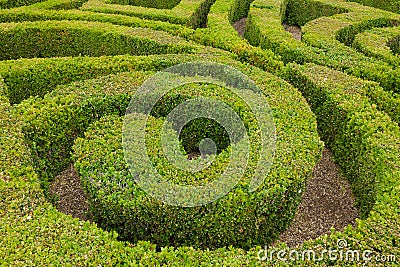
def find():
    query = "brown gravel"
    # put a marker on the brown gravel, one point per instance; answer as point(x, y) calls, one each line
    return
point(240, 26)
point(327, 202)
point(294, 30)
point(72, 199)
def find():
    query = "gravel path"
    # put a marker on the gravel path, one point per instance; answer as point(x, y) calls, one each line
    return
point(240, 26)
point(72, 199)
point(294, 30)
point(327, 202)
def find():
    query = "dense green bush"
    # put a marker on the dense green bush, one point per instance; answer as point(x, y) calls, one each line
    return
point(365, 140)
point(65, 38)
point(16, 3)
point(347, 121)
point(147, 3)
point(119, 205)
point(326, 40)
point(299, 12)
point(191, 13)
point(36, 77)
point(390, 5)
point(379, 43)
point(365, 143)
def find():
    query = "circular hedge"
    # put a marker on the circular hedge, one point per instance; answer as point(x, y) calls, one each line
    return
point(240, 218)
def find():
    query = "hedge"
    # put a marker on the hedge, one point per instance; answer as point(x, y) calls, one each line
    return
point(17, 3)
point(390, 5)
point(325, 40)
point(302, 11)
point(380, 43)
point(36, 77)
point(52, 123)
point(65, 38)
point(365, 143)
point(346, 121)
point(146, 3)
point(141, 217)
point(58, 4)
point(219, 33)
point(384, 101)
point(192, 13)
point(61, 239)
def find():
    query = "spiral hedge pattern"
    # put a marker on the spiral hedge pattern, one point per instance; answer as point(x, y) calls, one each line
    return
point(69, 69)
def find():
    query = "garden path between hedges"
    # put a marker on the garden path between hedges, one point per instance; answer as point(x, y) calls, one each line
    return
point(240, 27)
point(327, 202)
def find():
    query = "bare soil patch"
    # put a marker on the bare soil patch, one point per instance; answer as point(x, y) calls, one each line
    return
point(327, 202)
point(240, 26)
point(294, 30)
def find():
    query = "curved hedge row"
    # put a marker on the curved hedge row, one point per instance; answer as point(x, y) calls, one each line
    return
point(17, 3)
point(146, 3)
point(365, 143)
point(380, 43)
point(390, 5)
point(192, 13)
point(373, 156)
point(324, 40)
point(47, 129)
point(261, 216)
point(65, 38)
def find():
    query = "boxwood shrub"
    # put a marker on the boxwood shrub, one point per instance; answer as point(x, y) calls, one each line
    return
point(347, 121)
point(146, 3)
point(365, 143)
point(240, 218)
point(192, 13)
point(17, 3)
point(390, 5)
point(380, 43)
point(65, 38)
point(326, 40)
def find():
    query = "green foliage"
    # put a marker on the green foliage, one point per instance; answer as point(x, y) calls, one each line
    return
point(390, 5)
point(147, 3)
point(65, 38)
point(348, 123)
point(37, 135)
point(240, 218)
point(299, 12)
point(17, 3)
point(191, 13)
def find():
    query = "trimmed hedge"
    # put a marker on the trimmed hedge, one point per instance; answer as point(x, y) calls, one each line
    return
point(346, 121)
point(17, 3)
point(65, 38)
point(219, 33)
point(324, 40)
point(365, 143)
point(390, 5)
point(325, 77)
point(52, 123)
point(37, 116)
point(192, 13)
point(147, 3)
point(379, 43)
point(299, 12)
point(36, 77)
point(99, 158)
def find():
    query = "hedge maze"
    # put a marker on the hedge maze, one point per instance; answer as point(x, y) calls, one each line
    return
point(69, 70)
